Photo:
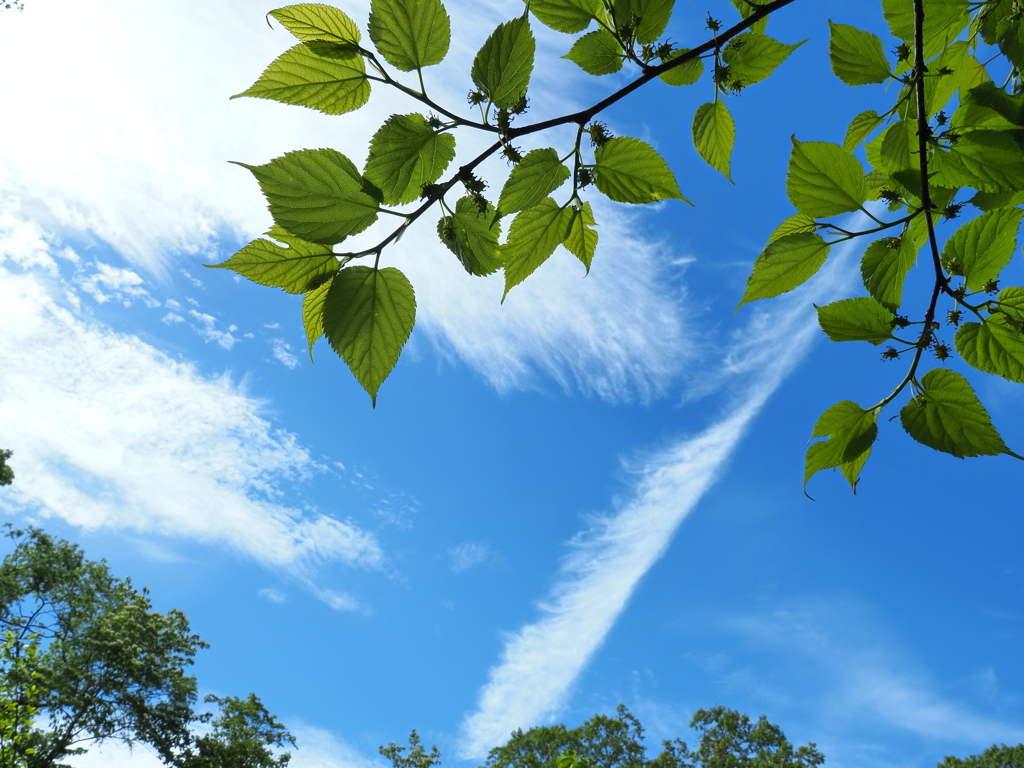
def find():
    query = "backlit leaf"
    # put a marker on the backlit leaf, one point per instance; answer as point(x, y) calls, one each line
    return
point(990, 161)
point(857, 57)
point(566, 15)
point(850, 431)
point(596, 53)
point(785, 264)
point(328, 77)
point(313, 313)
point(405, 154)
point(1011, 302)
point(410, 34)
point(536, 176)
point(859, 319)
point(943, 21)
point(647, 18)
point(752, 56)
point(884, 267)
point(472, 235)
point(795, 224)
point(713, 135)
point(368, 315)
point(317, 195)
point(291, 267)
point(824, 179)
point(859, 129)
point(582, 238)
point(532, 238)
point(980, 249)
point(687, 73)
point(629, 171)
point(949, 417)
point(993, 346)
point(315, 21)
point(502, 68)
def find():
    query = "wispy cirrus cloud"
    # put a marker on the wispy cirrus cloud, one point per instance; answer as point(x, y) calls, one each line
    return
point(541, 660)
point(109, 432)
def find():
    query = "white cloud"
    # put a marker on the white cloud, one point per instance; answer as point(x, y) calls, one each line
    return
point(172, 318)
point(467, 555)
point(541, 661)
point(209, 331)
point(282, 351)
point(111, 432)
point(124, 284)
point(273, 595)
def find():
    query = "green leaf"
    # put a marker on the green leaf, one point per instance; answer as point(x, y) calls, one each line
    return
point(532, 238)
point(313, 313)
point(993, 346)
point(857, 57)
point(859, 129)
point(980, 249)
point(687, 73)
point(472, 235)
point(582, 239)
point(824, 179)
point(368, 315)
point(746, 10)
point(751, 57)
point(410, 34)
point(959, 70)
point(629, 171)
point(988, 201)
point(795, 224)
point(947, 416)
point(327, 77)
point(785, 264)
point(989, 161)
point(291, 267)
point(884, 267)
point(713, 135)
point(850, 431)
point(596, 53)
point(405, 154)
point(502, 68)
point(566, 15)
point(536, 176)
point(311, 21)
point(976, 117)
point(1011, 303)
point(316, 194)
point(646, 18)
point(859, 319)
point(943, 21)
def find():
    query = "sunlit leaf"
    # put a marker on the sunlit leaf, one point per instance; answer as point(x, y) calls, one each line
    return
point(566, 15)
point(405, 154)
point(859, 129)
point(313, 313)
point(824, 179)
point(785, 264)
point(629, 171)
point(850, 430)
point(993, 346)
point(990, 161)
point(884, 267)
point(536, 176)
point(858, 319)
point(328, 77)
point(291, 267)
point(532, 238)
point(368, 315)
point(752, 56)
point(596, 53)
point(315, 21)
point(713, 135)
point(502, 68)
point(472, 235)
point(980, 249)
point(410, 34)
point(857, 57)
point(687, 73)
point(317, 194)
point(947, 416)
point(582, 238)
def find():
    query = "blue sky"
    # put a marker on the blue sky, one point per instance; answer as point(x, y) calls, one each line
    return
point(588, 495)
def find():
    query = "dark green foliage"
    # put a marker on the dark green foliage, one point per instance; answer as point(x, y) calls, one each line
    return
point(6, 471)
point(996, 756)
point(945, 135)
point(87, 654)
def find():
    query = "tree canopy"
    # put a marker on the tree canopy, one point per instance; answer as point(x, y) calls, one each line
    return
point(84, 652)
point(936, 172)
point(726, 739)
